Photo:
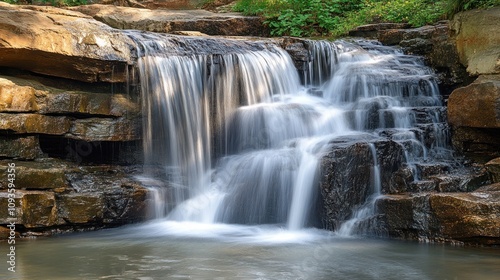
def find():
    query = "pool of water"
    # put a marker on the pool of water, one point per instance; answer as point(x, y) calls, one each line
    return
point(186, 250)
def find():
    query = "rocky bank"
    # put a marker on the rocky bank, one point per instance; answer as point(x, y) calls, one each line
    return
point(70, 120)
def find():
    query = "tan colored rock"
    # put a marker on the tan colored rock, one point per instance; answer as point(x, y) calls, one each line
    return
point(493, 167)
point(80, 208)
point(62, 43)
point(468, 217)
point(476, 105)
point(478, 40)
point(167, 21)
point(34, 123)
point(105, 129)
point(99, 104)
point(38, 175)
point(14, 98)
point(32, 209)
point(22, 95)
point(20, 147)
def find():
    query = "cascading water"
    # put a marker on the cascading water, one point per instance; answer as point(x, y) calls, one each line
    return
point(241, 140)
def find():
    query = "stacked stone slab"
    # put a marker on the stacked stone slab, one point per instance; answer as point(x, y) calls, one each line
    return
point(55, 128)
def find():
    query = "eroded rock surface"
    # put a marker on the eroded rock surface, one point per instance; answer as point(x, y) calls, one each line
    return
point(62, 43)
point(478, 40)
point(168, 21)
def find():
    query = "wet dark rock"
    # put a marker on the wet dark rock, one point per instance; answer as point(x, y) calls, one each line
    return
point(493, 167)
point(20, 147)
point(33, 209)
point(55, 196)
point(347, 176)
point(438, 48)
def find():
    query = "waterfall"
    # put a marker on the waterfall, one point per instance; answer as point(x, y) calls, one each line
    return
point(240, 140)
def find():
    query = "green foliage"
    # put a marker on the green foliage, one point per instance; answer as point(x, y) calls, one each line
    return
point(299, 17)
point(414, 12)
point(336, 17)
point(454, 6)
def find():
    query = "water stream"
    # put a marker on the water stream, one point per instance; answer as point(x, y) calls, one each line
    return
point(241, 138)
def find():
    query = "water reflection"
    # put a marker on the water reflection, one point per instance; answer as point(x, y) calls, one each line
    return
point(181, 250)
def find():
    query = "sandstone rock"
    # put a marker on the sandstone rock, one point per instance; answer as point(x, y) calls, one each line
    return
point(34, 123)
point(33, 209)
point(20, 147)
point(62, 43)
point(100, 104)
point(18, 95)
point(14, 98)
point(38, 175)
point(105, 129)
point(493, 167)
point(478, 40)
point(476, 105)
point(166, 21)
point(473, 217)
point(78, 208)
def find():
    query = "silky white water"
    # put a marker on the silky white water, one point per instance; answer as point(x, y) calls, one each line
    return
point(234, 146)
point(240, 139)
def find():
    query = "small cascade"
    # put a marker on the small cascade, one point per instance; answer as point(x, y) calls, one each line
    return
point(368, 208)
point(241, 141)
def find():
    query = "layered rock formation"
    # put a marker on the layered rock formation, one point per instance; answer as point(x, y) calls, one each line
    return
point(62, 134)
point(170, 21)
point(442, 206)
point(34, 38)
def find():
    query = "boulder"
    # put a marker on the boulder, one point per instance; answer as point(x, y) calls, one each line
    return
point(476, 105)
point(478, 40)
point(473, 218)
point(62, 43)
point(474, 114)
point(168, 21)
point(347, 176)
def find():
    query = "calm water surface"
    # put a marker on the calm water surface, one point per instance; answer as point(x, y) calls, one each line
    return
point(180, 250)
